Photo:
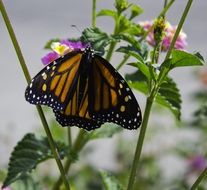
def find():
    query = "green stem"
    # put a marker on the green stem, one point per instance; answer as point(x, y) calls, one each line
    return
point(164, 71)
point(180, 25)
point(110, 51)
point(69, 137)
point(149, 102)
point(94, 14)
point(126, 57)
point(165, 3)
point(28, 78)
point(166, 8)
point(140, 141)
point(113, 44)
point(199, 179)
point(78, 145)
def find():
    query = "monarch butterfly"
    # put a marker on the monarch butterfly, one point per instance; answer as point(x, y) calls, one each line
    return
point(85, 90)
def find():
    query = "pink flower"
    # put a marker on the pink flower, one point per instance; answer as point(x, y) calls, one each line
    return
point(197, 162)
point(168, 36)
point(61, 48)
point(50, 57)
point(75, 45)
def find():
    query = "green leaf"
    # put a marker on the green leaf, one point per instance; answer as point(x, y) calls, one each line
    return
point(27, 154)
point(127, 26)
point(143, 68)
point(107, 12)
point(135, 11)
point(97, 38)
point(129, 50)
point(110, 182)
point(138, 81)
point(107, 130)
point(169, 96)
point(182, 59)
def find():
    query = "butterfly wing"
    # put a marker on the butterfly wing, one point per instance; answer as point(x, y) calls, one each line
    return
point(110, 98)
point(53, 85)
point(85, 91)
point(77, 110)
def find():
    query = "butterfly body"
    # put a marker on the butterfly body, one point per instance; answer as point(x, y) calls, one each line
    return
point(84, 90)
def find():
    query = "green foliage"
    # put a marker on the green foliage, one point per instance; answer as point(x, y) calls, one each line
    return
point(136, 10)
point(107, 12)
point(182, 59)
point(97, 38)
point(127, 26)
point(110, 182)
point(27, 154)
point(121, 5)
point(169, 96)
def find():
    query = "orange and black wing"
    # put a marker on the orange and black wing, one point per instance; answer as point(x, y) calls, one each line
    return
point(63, 86)
point(110, 98)
point(54, 85)
point(77, 111)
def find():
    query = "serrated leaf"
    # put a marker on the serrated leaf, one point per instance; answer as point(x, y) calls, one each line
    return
point(97, 38)
point(135, 11)
point(107, 12)
point(27, 154)
point(169, 96)
point(107, 130)
point(110, 182)
point(183, 59)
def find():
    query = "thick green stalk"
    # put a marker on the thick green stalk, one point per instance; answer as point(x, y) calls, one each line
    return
point(69, 137)
point(140, 141)
point(94, 14)
point(165, 3)
point(28, 78)
point(150, 101)
point(76, 148)
point(199, 179)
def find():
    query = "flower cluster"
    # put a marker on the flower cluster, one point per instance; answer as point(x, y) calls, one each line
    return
point(169, 32)
point(60, 49)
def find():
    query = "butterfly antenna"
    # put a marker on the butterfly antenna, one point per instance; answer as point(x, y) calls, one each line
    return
point(74, 26)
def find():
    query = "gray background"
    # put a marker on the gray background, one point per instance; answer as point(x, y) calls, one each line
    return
point(35, 22)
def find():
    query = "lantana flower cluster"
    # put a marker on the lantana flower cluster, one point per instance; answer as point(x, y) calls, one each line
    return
point(169, 32)
point(61, 48)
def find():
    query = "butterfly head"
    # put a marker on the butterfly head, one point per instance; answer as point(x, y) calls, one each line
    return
point(89, 51)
